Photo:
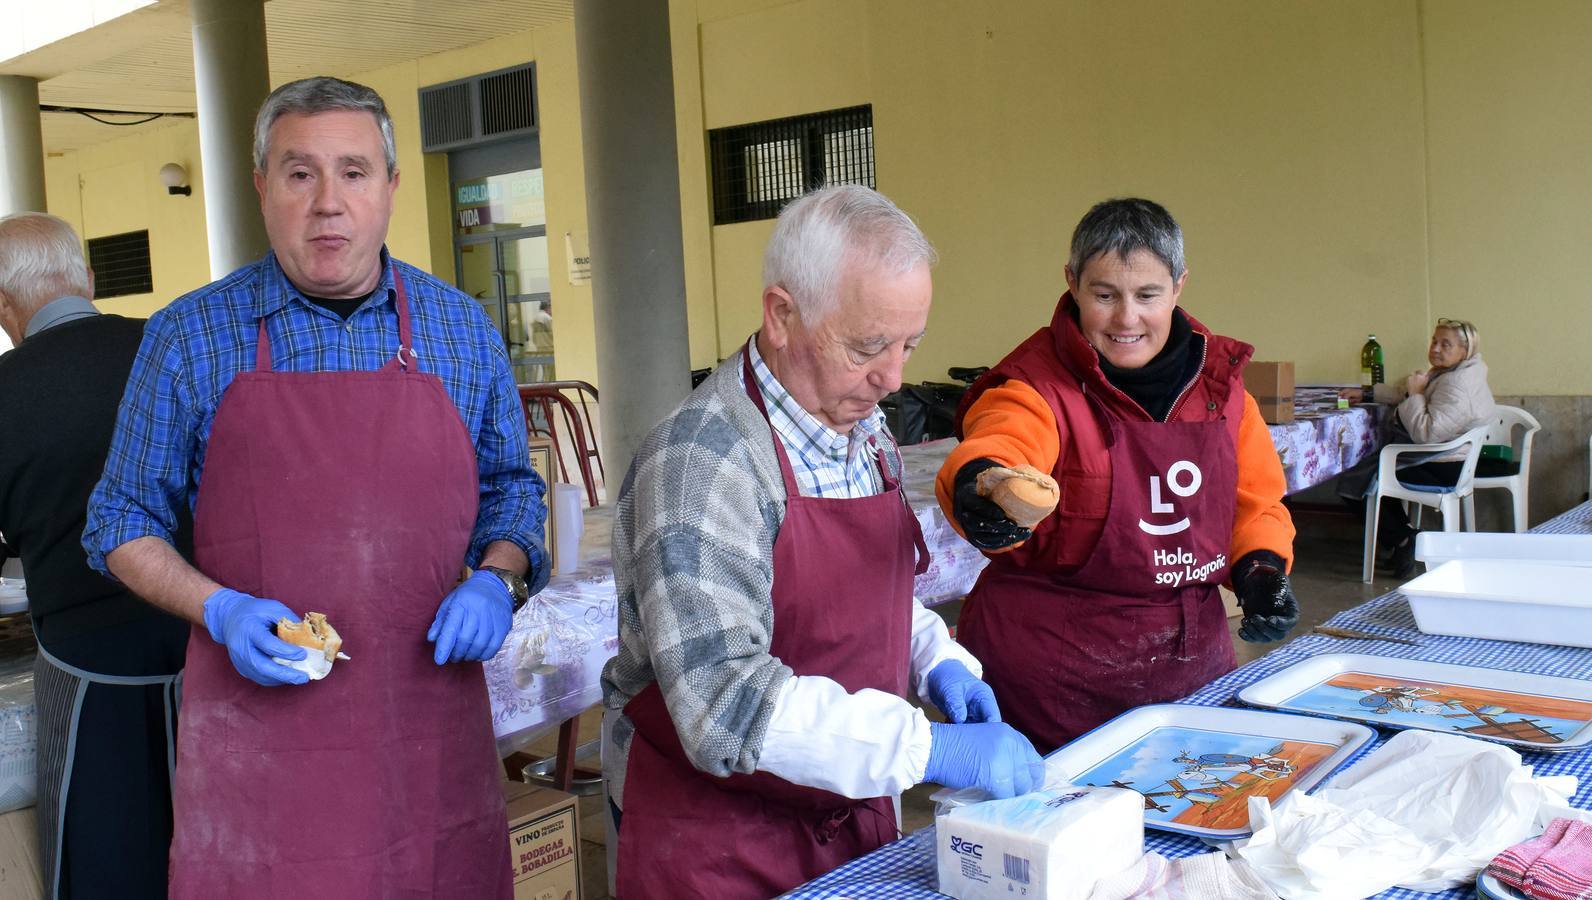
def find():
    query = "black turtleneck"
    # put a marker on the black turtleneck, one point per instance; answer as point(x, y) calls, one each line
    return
point(343, 308)
point(1156, 384)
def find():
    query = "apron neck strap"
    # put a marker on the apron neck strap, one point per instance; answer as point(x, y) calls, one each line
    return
point(756, 393)
point(406, 338)
point(406, 352)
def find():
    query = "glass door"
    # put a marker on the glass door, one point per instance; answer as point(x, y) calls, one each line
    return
point(528, 305)
point(500, 254)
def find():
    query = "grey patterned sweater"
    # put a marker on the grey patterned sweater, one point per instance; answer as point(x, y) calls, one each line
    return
point(693, 548)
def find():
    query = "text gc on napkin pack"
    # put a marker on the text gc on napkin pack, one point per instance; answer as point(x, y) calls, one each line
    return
point(1052, 844)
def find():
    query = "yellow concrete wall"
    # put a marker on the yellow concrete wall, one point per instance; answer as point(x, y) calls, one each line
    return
point(113, 187)
point(696, 198)
point(1340, 166)
point(771, 61)
point(409, 234)
point(1287, 138)
point(1511, 184)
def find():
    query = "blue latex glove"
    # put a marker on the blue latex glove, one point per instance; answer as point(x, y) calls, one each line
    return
point(473, 620)
point(960, 695)
point(246, 625)
point(988, 755)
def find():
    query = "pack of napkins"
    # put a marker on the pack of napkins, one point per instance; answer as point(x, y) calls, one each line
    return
point(1052, 844)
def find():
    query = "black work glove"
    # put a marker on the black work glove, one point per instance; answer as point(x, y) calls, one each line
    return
point(1267, 598)
point(983, 522)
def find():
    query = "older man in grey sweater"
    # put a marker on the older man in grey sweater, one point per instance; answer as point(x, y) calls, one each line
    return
point(756, 721)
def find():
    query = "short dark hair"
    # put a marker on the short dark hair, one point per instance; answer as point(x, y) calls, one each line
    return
point(1123, 225)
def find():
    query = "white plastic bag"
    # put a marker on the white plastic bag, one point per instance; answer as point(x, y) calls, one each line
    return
point(1427, 811)
point(1203, 877)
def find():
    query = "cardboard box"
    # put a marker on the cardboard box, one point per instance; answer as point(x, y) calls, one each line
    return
point(544, 842)
point(20, 876)
point(1272, 386)
point(542, 458)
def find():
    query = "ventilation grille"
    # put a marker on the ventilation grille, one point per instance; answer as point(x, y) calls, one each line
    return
point(478, 109)
point(760, 167)
point(445, 115)
point(121, 264)
point(508, 102)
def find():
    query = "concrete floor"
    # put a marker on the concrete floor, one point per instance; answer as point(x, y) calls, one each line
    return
point(1326, 580)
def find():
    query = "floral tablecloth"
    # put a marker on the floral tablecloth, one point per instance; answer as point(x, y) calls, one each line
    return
point(552, 660)
point(549, 668)
point(1323, 440)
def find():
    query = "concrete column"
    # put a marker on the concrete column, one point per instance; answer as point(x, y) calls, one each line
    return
point(633, 211)
point(231, 76)
point(21, 146)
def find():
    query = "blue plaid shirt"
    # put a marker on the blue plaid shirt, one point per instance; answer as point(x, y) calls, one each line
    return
point(825, 462)
point(194, 347)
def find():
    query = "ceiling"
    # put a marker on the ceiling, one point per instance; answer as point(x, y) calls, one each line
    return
point(144, 60)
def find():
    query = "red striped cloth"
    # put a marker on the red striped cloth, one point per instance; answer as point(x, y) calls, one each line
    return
point(1555, 866)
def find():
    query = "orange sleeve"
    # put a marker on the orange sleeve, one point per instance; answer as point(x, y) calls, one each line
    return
point(1010, 424)
point(1260, 521)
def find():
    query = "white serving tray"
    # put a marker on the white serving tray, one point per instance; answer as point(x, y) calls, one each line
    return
point(1490, 888)
point(1437, 547)
point(1466, 700)
point(1200, 764)
point(1504, 600)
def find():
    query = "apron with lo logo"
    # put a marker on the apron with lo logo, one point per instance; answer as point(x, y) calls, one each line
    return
point(1141, 621)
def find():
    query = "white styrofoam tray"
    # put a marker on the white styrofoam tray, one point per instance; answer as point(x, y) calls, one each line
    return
point(1505, 600)
point(1158, 738)
point(1490, 888)
point(1437, 547)
point(1549, 713)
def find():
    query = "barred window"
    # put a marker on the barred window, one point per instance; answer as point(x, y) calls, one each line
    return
point(760, 167)
point(121, 264)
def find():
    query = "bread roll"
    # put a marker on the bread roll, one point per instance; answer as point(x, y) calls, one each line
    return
point(1026, 494)
point(314, 633)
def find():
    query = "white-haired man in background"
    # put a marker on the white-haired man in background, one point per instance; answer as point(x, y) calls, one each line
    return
point(107, 663)
point(756, 728)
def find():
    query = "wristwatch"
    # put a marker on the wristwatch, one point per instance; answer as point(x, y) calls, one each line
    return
point(519, 591)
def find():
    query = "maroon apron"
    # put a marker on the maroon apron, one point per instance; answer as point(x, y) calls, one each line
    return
point(842, 596)
point(352, 494)
point(1142, 620)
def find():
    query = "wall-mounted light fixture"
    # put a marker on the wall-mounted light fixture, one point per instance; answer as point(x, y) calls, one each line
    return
point(175, 178)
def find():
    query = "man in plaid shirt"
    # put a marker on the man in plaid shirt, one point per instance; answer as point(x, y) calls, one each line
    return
point(764, 554)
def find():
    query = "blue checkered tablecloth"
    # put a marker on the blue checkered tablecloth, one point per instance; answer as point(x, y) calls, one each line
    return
point(905, 869)
point(1574, 521)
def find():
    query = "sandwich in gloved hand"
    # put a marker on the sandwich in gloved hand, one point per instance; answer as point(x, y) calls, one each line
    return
point(1026, 494)
point(317, 636)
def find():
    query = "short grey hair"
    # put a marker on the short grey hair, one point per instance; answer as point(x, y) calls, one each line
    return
point(819, 235)
point(41, 260)
point(319, 94)
point(1123, 225)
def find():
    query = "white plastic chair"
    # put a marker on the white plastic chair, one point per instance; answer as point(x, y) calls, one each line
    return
point(1501, 430)
point(1447, 500)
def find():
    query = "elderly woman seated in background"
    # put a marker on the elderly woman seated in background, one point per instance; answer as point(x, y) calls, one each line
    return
point(1434, 405)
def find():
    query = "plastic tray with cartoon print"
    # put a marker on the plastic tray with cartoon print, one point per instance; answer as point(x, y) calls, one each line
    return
point(1196, 766)
point(1530, 712)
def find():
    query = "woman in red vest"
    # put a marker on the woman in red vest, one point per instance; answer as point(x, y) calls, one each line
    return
point(1169, 484)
